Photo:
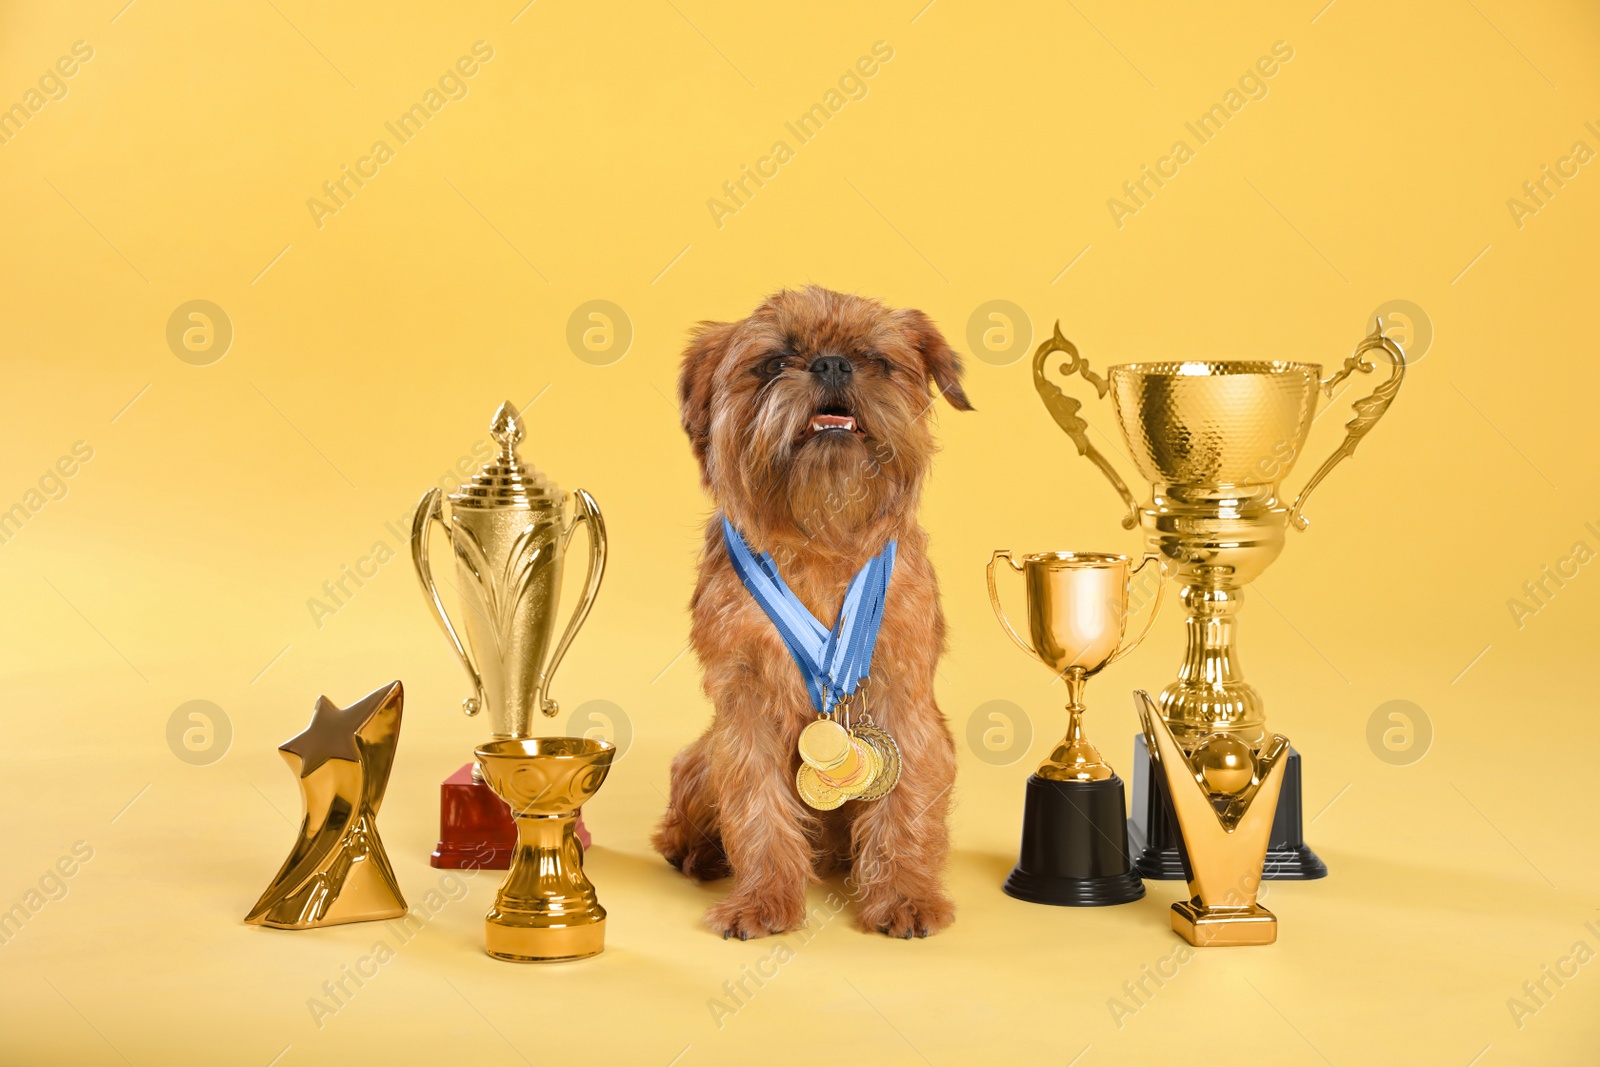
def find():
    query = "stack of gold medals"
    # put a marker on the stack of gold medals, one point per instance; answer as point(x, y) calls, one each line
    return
point(842, 760)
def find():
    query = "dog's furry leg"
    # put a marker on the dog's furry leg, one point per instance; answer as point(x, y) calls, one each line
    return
point(901, 840)
point(689, 835)
point(763, 822)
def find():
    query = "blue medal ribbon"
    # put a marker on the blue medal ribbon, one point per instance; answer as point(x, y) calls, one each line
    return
point(833, 661)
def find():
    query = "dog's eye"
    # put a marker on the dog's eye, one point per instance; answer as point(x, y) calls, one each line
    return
point(774, 366)
point(882, 365)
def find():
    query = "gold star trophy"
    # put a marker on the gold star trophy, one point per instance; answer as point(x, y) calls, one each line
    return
point(1224, 796)
point(337, 871)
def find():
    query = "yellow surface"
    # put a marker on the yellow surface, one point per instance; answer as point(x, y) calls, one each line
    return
point(368, 354)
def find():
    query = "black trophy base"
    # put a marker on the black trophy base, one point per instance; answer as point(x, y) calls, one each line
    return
point(1153, 831)
point(1074, 846)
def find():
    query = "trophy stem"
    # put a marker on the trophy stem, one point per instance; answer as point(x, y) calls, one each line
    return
point(1075, 759)
point(546, 909)
point(1075, 678)
point(1210, 695)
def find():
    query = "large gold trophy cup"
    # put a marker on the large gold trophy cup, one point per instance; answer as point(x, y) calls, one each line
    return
point(509, 533)
point(1214, 439)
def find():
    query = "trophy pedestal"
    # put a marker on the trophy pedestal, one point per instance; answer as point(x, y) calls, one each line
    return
point(1203, 927)
point(476, 830)
point(1154, 836)
point(1074, 846)
point(525, 944)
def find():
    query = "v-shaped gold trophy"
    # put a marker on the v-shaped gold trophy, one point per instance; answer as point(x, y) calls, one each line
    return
point(1224, 795)
point(1074, 821)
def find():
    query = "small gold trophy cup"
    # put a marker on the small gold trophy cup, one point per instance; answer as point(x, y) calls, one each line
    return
point(509, 533)
point(1224, 796)
point(546, 909)
point(1214, 439)
point(1074, 823)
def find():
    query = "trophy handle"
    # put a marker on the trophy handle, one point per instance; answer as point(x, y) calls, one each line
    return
point(1368, 409)
point(1161, 590)
point(431, 507)
point(587, 513)
point(1064, 409)
point(994, 600)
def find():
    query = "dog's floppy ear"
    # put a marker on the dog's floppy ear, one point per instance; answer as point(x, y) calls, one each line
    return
point(941, 361)
point(707, 345)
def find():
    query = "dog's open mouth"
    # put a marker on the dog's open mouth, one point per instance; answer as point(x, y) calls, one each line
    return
point(832, 420)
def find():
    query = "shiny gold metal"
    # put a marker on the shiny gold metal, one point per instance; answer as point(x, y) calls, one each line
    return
point(1077, 618)
point(1369, 409)
point(816, 791)
point(849, 760)
point(508, 529)
point(832, 788)
point(1064, 409)
point(826, 745)
point(886, 751)
point(546, 909)
point(337, 871)
point(1214, 439)
point(1225, 830)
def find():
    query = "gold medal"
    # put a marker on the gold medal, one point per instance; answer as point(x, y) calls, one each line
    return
point(825, 745)
point(839, 763)
point(868, 765)
point(887, 754)
point(815, 792)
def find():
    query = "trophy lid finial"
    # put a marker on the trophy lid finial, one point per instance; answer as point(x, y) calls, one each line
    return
point(505, 481)
point(506, 428)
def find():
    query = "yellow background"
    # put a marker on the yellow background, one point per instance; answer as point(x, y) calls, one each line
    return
point(369, 353)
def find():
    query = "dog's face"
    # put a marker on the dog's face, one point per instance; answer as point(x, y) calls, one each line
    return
point(810, 417)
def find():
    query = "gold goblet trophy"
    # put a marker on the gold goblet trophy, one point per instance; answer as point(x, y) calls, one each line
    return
point(546, 908)
point(1074, 824)
point(1214, 438)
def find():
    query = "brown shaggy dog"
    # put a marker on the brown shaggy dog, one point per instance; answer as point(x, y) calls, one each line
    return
point(810, 422)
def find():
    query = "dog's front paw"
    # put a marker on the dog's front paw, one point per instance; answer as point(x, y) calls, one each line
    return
point(899, 917)
point(745, 918)
point(705, 862)
point(692, 852)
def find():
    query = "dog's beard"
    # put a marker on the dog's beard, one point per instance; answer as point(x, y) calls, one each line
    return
point(828, 485)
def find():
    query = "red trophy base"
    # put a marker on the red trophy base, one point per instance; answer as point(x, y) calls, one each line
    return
point(476, 830)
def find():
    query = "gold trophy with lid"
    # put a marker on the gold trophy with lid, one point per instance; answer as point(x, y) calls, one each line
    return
point(509, 531)
point(1214, 439)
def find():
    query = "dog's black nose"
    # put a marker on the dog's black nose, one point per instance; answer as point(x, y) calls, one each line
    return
point(833, 370)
